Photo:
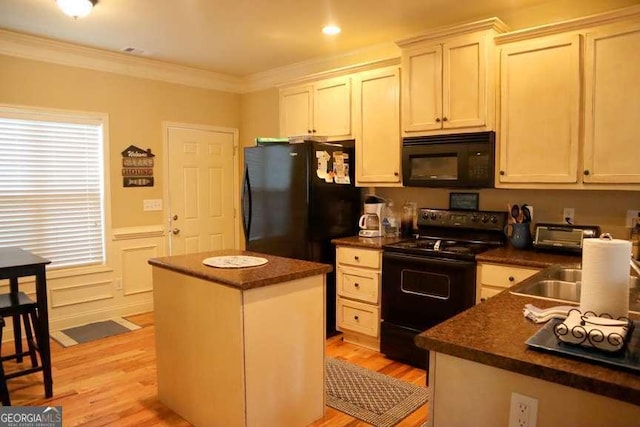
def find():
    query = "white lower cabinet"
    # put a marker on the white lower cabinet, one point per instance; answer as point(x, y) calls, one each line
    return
point(358, 273)
point(495, 278)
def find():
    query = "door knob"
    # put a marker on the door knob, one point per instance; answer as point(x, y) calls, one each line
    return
point(176, 231)
point(175, 217)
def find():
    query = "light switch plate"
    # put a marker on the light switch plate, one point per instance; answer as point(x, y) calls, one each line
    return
point(152, 204)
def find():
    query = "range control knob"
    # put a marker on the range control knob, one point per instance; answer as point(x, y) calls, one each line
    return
point(425, 215)
point(494, 219)
point(484, 218)
point(433, 216)
point(474, 218)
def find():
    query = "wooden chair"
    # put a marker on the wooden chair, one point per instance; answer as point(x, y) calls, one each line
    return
point(4, 391)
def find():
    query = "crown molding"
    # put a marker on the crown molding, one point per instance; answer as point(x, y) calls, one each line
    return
point(494, 24)
point(62, 53)
point(577, 24)
point(41, 49)
point(375, 56)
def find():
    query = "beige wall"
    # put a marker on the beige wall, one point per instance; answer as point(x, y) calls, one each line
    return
point(136, 109)
point(604, 208)
point(259, 116)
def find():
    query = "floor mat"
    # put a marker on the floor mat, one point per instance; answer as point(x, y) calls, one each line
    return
point(372, 397)
point(93, 331)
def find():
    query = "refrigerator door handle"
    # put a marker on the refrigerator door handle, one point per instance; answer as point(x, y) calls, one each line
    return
point(246, 196)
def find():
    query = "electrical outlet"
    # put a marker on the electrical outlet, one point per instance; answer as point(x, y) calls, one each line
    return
point(632, 217)
point(523, 411)
point(152, 204)
point(568, 215)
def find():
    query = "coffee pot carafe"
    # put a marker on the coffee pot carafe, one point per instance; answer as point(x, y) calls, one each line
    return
point(371, 221)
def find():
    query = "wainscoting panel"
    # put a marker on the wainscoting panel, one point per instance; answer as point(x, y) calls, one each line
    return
point(122, 289)
point(81, 294)
point(136, 271)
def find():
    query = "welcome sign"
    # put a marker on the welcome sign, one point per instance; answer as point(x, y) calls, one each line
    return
point(137, 167)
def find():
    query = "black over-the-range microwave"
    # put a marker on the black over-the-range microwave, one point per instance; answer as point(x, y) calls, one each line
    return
point(455, 160)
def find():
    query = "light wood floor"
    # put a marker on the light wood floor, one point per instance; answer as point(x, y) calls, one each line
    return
point(112, 381)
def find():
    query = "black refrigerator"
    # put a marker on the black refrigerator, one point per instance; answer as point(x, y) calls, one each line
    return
point(296, 198)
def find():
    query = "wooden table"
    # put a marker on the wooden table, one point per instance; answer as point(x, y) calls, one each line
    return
point(15, 263)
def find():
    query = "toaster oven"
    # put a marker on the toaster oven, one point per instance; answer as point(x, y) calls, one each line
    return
point(563, 237)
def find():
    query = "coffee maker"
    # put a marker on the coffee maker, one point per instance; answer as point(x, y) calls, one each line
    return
point(371, 221)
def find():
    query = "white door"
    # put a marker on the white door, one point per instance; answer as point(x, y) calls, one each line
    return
point(202, 188)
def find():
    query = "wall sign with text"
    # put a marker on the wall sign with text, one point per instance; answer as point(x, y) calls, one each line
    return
point(137, 167)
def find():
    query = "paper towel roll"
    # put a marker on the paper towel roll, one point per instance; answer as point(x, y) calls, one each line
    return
point(605, 276)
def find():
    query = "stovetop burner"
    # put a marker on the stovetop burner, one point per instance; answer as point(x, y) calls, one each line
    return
point(439, 247)
point(454, 234)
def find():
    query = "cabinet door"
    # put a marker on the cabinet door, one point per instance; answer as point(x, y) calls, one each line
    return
point(539, 111)
point(464, 83)
point(422, 88)
point(296, 107)
point(377, 118)
point(332, 107)
point(612, 106)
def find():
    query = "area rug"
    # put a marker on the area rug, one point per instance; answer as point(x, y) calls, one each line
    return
point(372, 397)
point(93, 331)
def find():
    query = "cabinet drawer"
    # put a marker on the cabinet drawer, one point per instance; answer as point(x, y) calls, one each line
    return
point(358, 317)
point(503, 276)
point(358, 284)
point(358, 257)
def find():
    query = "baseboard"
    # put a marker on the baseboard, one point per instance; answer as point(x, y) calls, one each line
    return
point(99, 315)
point(84, 318)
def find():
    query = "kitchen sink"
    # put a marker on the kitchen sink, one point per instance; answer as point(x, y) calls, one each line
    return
point(558, 283)
point(567, 274)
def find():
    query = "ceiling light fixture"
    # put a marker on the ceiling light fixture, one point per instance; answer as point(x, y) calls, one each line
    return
point(331, 30)
point(76, 8)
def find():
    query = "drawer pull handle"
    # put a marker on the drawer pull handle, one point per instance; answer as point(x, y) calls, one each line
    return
point(357, 285)
point(511, 278)
point(356, 318)
point(357, 258)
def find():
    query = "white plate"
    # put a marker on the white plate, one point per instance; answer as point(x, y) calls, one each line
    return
point(234, 261)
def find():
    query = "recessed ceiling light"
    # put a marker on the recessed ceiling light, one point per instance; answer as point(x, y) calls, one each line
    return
point(331, 30)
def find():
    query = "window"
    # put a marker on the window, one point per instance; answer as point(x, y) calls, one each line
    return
point(52, 198)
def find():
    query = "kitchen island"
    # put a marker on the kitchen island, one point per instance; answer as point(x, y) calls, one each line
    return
point(240, 346)
point(479, 357)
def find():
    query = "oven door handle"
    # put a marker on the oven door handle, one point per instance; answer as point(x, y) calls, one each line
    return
point(422, 294)
point(394, 256)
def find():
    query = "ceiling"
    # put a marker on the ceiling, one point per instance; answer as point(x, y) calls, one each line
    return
point(243, 37)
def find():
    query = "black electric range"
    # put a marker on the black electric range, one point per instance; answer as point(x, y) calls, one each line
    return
point(432, 277)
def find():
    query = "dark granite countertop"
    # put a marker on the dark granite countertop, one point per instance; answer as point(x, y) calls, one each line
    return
point(276, 270)
point(528, 258)
point(367, 242)
point(494, 333)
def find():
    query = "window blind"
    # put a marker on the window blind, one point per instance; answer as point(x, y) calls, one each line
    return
point(51, 189)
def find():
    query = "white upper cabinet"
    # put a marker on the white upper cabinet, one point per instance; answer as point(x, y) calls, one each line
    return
point(539, 106)
point(377, 123)
point(322, 108)
point(612, 106)
point(569, 104)
point(447, 79)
